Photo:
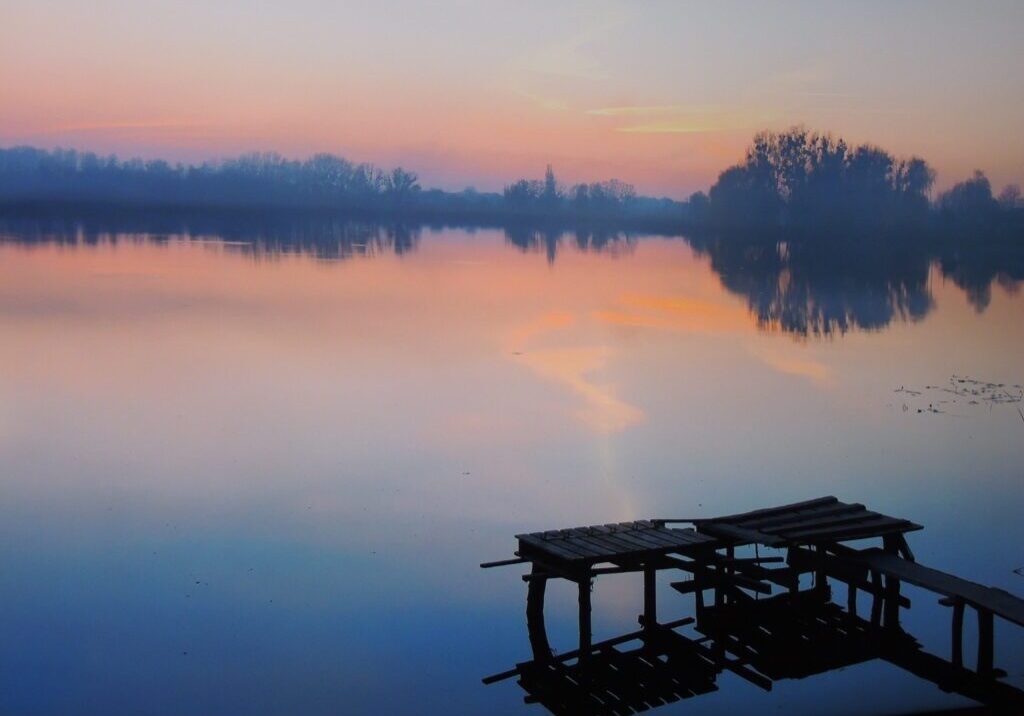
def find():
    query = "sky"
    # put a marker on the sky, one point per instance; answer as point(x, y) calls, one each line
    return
point(472, 93)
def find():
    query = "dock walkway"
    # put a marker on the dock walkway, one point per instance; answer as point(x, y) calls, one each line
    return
point(813, 535)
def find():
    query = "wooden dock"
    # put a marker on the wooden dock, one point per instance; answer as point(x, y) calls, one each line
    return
point(758, 621)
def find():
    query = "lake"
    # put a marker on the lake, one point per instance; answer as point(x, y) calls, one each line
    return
point(255, 471)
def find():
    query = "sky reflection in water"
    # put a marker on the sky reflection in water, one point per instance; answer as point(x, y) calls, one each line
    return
point(249, 481)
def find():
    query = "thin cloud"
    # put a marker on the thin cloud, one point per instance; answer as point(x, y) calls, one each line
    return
point(631, 111)
point(679, 119)
point(157, 124)
point(674, 127)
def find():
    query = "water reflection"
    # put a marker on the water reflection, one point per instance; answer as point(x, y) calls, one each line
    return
point(978, 267)
point(812, 288)
point(820, 290)
point(331, 447)
point(549, 240)
point(263, 235)
point(762, 641)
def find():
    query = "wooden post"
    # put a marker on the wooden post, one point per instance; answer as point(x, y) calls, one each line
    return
point(903, 548)
point(535, 626)
point(892, 603)
point(717, 584)
point(820, 580)
point(891, 544)
point(794, 586)
point(698, 593)
point(876, 600)
point(584, 602)
point(958, 633)
point(650, 597)
point(984, 642)
point(730, 552)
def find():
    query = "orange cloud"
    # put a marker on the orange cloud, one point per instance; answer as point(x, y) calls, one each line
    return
point(602, 411)
point(683, 314)
point(812, 370)
point(572, 367)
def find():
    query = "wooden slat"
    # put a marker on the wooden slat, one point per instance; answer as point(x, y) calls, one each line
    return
point(768, 524)
point(559, 544)
point(628, 544)
point(655, 543)
point(502, 563)
point(640, 539)
point(688, 536)
point(768, 511)
point(584, 545)
point(823, 522)
point(999, 602)
point(652, 540)
point(739, 534)
point(594, 540)
point(550, 547)
point(668, 537)
point(876, 527)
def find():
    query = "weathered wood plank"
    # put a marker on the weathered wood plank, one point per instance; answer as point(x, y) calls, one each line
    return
point(652, 540)
point(690, 535)
point(822, 522)
point(627, 543)
point(550, 547)
point(837, 508)
point(995, 600)
point(503, 562)
point(739, 534)
point(876, 527)
point(584, 544)
point(768, 511)
point(663, 537)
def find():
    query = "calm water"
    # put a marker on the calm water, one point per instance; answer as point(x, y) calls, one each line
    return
point(241, 479)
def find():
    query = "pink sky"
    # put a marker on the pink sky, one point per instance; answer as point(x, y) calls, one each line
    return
point(663, 95)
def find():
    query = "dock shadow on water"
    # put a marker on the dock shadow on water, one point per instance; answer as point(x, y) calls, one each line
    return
point(763, 619)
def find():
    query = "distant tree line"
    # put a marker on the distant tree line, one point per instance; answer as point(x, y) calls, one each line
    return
point(803, 179)
point(791, 180)
point(268, 180)
point(598, 199)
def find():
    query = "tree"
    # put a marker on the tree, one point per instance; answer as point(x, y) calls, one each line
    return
point(550, 197)
point(400, 185)
point(1009, 197)
point(806, 178)
point(970, 199)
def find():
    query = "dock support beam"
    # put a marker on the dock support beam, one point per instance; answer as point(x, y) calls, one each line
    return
point(891, 620)
point(892, 545)
point(985, 645)
point(535, 626)
point(650, 597)
point(876, 600)
point(958, 634)
point(820, 579)
point(584, 602)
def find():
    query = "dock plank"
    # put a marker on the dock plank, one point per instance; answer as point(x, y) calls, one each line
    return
point(837, 508)
point(997, 601)
point(739, 534)
point(822, 522)
point(875, 527)
point(768, 511)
